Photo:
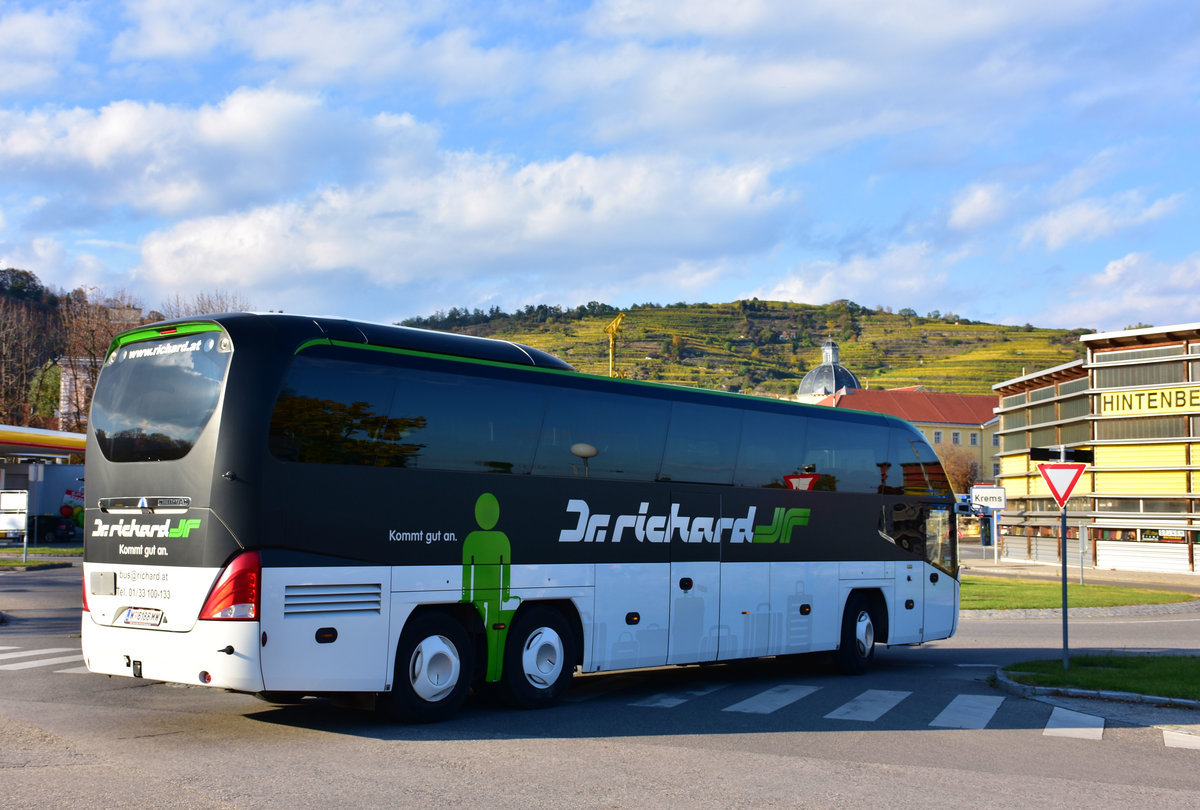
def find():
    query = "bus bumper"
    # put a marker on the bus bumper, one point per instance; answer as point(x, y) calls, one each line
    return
point(222, 654)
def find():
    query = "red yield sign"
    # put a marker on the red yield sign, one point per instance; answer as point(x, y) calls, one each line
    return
point(1062, 478)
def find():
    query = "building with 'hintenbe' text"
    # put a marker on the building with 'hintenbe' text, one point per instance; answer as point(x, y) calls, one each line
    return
point(1135, 402)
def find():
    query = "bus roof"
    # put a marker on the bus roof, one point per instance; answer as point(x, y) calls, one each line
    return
point(306, 329)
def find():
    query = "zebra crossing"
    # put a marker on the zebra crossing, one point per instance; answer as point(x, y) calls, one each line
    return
point(13, 659)
point(963, 711)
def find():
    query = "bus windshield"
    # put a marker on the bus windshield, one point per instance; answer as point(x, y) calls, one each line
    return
point(154, 398)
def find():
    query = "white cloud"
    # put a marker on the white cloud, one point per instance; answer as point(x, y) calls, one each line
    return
point(476, 217)
point(56, 264)
point(173, 29)
point(1098, 167)
point(1093, 218)
point(911, 23)
point(325, 42)
point(255, 145)
point(35, 45)
point(979, 205)
point(1137, 288)
point(904, 272)
point(652, 145)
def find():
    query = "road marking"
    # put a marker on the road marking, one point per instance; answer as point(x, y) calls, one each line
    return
point(869, 706)
point(27, 653)
point(1182, 739)
point(773, 699)
point(73, 671)
point(666, 700)
point(43, 662)
point(1067, 723)
point(968, 711)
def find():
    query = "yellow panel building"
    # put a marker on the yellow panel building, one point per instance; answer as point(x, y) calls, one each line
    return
point(1135, 402)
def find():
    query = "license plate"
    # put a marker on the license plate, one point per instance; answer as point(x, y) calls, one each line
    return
point(143, 617)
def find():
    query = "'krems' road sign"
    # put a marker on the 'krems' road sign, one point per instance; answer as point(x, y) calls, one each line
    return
point(988, 497)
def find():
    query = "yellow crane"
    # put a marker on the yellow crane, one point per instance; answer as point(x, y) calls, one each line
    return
point(611, 330)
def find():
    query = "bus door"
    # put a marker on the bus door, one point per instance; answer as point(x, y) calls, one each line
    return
point(941, 578)
point(694, 589)
point(908, 616)
point(905, 524)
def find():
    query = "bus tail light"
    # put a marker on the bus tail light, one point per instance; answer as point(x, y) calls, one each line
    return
point(83, 587)
point(237, 593)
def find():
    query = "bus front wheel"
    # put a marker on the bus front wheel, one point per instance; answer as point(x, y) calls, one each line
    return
point(539, 658)
point(434, 662)
point(857, 646)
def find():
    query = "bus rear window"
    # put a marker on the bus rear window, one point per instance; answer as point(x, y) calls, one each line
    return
point(153, 398)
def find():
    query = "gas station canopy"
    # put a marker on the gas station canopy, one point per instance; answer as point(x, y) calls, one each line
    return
point(30, 442)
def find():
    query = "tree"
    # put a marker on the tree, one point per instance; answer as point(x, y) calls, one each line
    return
point(204, 303)
point(29, 339)
point(961, 466)
point(22, 285)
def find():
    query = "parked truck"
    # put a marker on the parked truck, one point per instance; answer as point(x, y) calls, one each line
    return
point(53, 504)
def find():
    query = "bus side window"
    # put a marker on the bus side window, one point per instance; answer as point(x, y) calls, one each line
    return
point(330, 412)
point(772, 448)
point(848, 456)
point(922, 472)
point(626, 433)
point(702, 443)
point(459, 422)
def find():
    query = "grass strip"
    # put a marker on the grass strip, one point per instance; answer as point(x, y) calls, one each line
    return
point(994, 593)
point(1173, 676)
point(73, 551)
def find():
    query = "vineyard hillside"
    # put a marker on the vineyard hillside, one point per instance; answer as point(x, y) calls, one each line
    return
point(766, 347)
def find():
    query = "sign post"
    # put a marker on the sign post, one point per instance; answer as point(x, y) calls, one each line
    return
point(993, 499)
point(1061, 478)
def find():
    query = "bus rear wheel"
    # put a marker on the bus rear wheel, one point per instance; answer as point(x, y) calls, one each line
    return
point(539, 658)
point(857, 647)
point(434, 663)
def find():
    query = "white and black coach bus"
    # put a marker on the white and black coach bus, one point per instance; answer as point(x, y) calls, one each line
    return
point(293, 506)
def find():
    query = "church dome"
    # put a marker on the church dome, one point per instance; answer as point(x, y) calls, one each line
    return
point(829, 377)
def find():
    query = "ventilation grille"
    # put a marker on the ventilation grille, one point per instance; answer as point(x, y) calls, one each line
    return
point(306, 600)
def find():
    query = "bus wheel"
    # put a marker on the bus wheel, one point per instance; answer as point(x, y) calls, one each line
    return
point(433, 669)
point(857, 646)
point(539, 658)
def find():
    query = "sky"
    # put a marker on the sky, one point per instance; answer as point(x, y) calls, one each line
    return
point(1019, 161)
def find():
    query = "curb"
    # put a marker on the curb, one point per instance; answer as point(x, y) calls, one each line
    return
point(35, 566)
point(1007, 684)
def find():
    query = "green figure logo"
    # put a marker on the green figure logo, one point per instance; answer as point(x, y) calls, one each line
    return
point(780, 530)
point(487, 569)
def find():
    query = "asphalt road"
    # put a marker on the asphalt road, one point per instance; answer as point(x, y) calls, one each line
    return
point(925, 729)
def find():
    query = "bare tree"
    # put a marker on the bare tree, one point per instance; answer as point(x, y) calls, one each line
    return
point(205, 303)
point(90, 321)
point(29, 340)
point(961, 466)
